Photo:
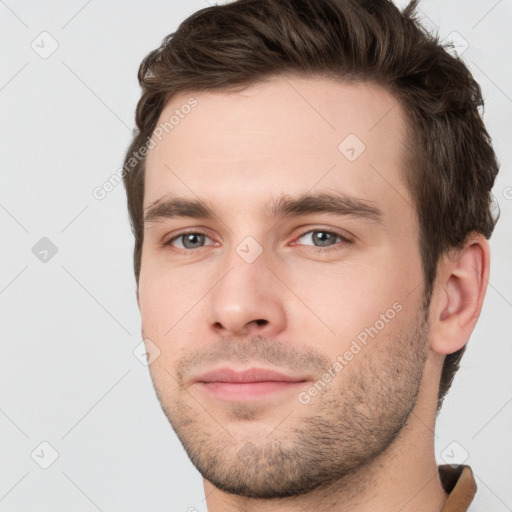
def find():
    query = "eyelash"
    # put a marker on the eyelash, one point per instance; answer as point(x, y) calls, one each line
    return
point(315, 249)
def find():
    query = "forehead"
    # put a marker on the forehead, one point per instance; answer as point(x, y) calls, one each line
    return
point(288, 135)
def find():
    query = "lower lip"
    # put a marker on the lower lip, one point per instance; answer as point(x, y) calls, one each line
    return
point(237, 391)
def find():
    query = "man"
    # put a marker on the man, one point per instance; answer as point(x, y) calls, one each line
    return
point(309, 190)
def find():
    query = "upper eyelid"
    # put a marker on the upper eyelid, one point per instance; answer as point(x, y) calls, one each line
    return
point(325, 230)
point(344, 238)
point(190, 232)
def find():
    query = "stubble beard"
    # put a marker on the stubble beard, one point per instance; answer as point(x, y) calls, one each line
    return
point(350, 423)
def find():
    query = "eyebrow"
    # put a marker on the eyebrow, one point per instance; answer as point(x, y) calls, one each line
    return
point(284, 206)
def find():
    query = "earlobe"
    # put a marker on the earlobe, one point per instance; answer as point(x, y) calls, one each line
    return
point(458, 295)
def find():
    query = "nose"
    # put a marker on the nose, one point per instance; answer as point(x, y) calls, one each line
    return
point(248, 299)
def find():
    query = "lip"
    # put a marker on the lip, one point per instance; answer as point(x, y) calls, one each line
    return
point(250, 375)
point(252, 384)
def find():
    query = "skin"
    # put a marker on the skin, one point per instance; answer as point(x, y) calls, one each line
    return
point(365, 442)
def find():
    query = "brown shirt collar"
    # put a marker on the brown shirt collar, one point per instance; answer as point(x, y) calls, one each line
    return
point(459, 483)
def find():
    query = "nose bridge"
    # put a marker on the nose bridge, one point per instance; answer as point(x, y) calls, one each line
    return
point(247, 296)
point(247, 250)
point(245, 267)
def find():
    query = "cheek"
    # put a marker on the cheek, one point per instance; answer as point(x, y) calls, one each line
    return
point(162, 316)
point(161, 296)
point(172, 302)
point(344, 301)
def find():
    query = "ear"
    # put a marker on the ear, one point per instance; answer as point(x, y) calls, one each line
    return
point(458, 294)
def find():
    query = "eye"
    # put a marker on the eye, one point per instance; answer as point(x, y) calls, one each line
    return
point(326, 240)
point(187, 241)
point(323, 241)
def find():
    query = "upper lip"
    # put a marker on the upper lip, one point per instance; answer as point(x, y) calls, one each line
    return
point(250, 375)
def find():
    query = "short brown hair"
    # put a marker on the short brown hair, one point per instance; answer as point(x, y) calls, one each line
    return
point(451, 165)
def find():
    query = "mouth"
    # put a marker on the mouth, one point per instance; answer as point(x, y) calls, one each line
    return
point(252, 384)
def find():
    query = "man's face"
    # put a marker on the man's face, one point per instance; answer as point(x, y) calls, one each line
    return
point(332, 300)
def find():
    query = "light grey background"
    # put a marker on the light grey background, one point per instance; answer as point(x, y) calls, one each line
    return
point(69, 326)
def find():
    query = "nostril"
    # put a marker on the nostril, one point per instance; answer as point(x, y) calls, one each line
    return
point(261, 322)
